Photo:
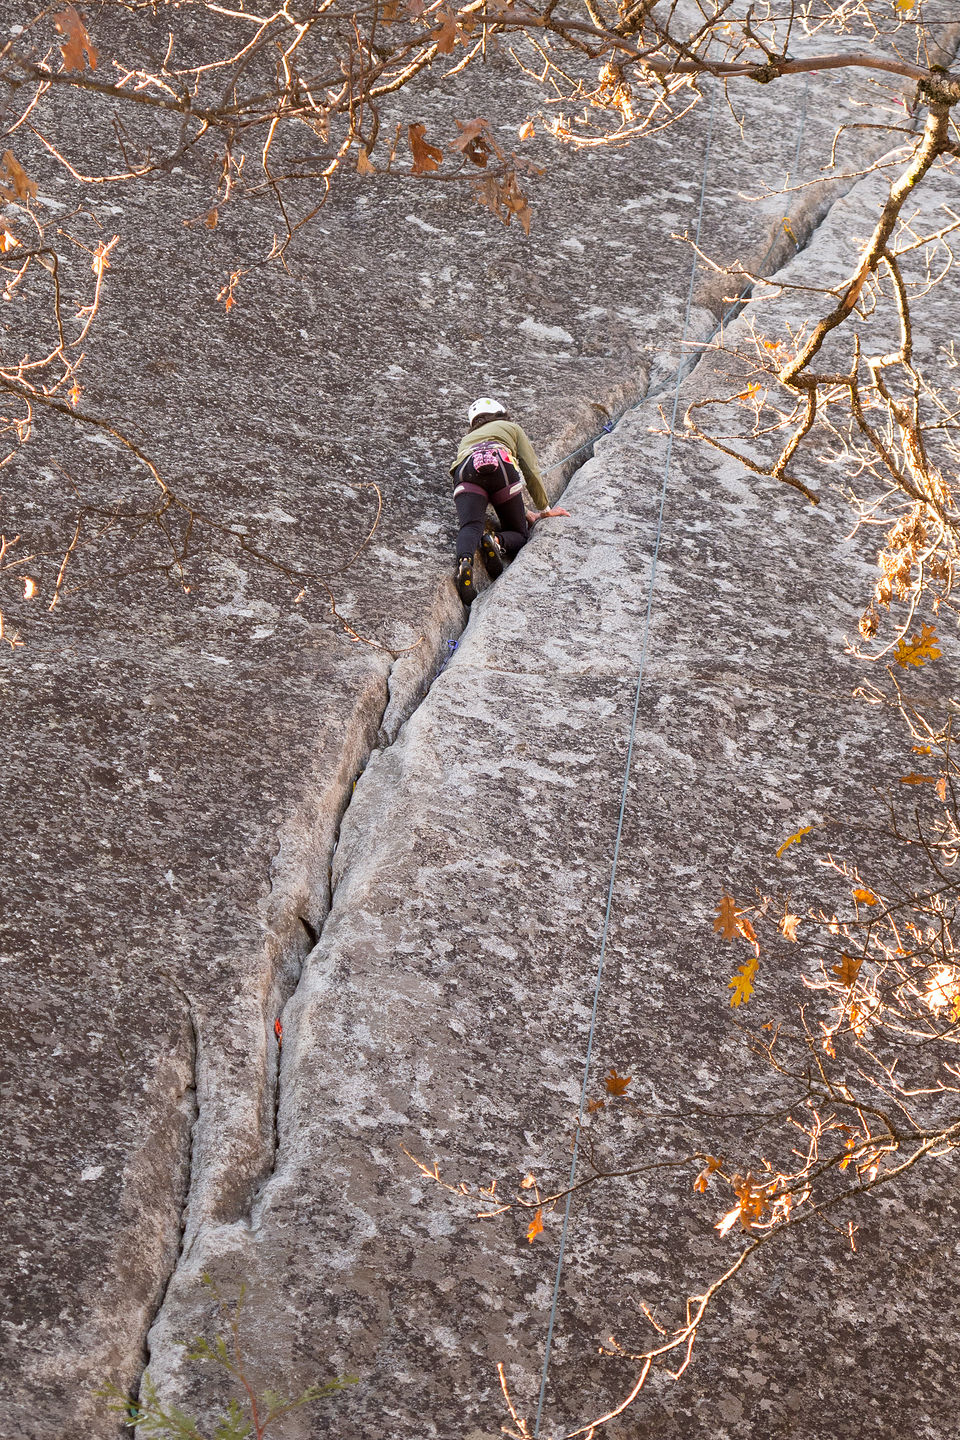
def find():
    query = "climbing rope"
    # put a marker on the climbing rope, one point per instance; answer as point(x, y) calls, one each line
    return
point(727, 311)
point(625, 786)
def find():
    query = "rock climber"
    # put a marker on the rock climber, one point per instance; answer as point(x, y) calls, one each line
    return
point(493, 460)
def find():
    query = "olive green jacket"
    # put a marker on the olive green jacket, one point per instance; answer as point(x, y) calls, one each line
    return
point(510, 435)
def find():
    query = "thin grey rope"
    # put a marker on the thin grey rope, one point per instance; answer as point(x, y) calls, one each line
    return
point(727, 311)
point(623, 793)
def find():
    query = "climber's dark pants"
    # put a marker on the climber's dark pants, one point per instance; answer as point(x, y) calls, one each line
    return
point(474, 491)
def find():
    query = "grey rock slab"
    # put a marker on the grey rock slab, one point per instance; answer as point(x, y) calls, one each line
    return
point(185, 745)
point(444, 1015)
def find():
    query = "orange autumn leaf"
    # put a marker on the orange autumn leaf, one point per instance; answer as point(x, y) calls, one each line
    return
point(866, 897)
point(594, 1105)
point(535, 1227)
point(278, 1031)
point(745, 929)
point(848, 969)
point(793, 839)
point(365, 165)
point(616, 1084)
point(15, 183)
point(742, 982)
point(703, 1179)
point(77, 42)
point(918, 649)
point(914, 779)
point(942, 788)
point(528, 1181)
point(788, 927)
point(526, 131)
point(29, 587)
point(726, 918)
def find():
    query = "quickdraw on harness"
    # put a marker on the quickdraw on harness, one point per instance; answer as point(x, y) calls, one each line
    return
point(485, 460)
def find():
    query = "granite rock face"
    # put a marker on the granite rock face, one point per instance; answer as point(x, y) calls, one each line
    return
point(444, 1015)
point(186, 750)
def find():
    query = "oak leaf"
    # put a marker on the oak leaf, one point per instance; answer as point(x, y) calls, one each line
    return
point(726, 918)
point(918, 649)
point(535, 1227)
point(474, 141)
point(848, 969)
point(15, 183)
point(742, 982)
point(426, 157)
point(77, 42)
point(616, 1084)
point(788, 927)
point(446, 37)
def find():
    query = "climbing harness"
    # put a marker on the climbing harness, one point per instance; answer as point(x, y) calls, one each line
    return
point(623, 792)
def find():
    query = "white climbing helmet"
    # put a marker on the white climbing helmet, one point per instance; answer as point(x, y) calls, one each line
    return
point(484, 406)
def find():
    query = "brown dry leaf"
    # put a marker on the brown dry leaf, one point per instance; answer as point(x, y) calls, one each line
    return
point(474, 141)
point(77, 42)
point(74, 394)
point(390, 11)
point(446, 37)
point(914, 779)
point(528, 1181)
point(365, 165)
point(866, 897)
point(848, 969)
point(594, 1105)
point(942, 788)
point(788, 927)
point(726, 918)
point(211, 218)
point(616, 1084)
point(921, 749)
point(535, 1227)
point(426, 157)
point(526, 131)
point(15, 183)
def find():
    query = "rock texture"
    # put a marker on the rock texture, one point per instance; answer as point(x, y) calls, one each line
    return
point(183, 762)
point(444, 1013)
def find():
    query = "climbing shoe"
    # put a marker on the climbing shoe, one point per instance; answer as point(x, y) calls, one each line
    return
point(493, 557)
point(465, 586)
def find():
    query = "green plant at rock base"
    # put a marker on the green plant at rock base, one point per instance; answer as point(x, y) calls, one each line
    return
point(252, 1416)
